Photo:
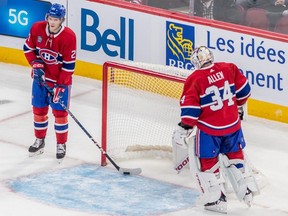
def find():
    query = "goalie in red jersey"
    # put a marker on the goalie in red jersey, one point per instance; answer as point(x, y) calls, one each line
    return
point(211, 129)
point(50, 49)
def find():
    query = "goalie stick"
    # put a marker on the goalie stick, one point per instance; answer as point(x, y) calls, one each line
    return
point(123, 171)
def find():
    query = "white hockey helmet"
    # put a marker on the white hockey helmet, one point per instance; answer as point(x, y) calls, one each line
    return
point(200, 56)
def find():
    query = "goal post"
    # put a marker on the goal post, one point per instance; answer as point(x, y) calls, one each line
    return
point(140, 109)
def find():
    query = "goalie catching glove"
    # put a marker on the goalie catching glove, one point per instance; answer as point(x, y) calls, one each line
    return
point(38, 73)
point(58, 93)
point(181, 136)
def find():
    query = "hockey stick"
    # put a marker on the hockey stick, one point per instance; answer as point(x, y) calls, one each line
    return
point(123, 171)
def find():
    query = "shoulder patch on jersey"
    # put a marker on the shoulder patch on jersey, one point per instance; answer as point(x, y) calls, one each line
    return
point(39, 39)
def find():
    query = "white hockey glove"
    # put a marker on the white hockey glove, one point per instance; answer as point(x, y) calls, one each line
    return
point(181, 136)
point(285, 13)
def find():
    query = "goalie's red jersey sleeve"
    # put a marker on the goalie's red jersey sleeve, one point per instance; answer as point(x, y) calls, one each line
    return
point(58, 52)
point(211, 97)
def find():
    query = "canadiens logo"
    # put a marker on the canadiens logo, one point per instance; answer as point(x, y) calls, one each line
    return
point(39, 39)
point(48, 56)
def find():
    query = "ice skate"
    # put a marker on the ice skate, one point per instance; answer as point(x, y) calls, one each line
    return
point(37, 148)
point(218, 206)
point(61, 152)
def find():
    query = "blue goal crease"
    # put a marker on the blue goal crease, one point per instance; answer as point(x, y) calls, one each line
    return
point(94, 189)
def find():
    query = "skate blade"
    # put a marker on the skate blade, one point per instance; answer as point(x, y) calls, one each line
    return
point(60, 160)
point(217, 208)
point(248, 199)
point(33, 154)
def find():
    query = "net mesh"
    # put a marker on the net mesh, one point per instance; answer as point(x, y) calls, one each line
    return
point(142, 109)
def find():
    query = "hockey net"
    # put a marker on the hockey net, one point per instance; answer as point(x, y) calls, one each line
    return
point(140, 109)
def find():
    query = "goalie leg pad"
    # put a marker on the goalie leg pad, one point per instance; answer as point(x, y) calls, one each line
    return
point(209, 185)
point(243, 183)
point(180, 158)
point(208, 182)
point(252, 184)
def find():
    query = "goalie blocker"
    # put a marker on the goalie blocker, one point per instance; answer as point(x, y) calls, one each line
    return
point(180, 139)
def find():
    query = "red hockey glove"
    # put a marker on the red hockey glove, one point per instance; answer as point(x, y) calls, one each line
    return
point(38, 73)
point(58, 93)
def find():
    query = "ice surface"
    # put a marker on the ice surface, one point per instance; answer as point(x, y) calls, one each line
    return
point(267, 147)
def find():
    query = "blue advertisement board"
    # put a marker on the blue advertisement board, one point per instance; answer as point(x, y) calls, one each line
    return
point(180, 40)
point(17, 16)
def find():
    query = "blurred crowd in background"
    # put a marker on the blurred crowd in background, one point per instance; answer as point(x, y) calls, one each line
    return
point(271, 15)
